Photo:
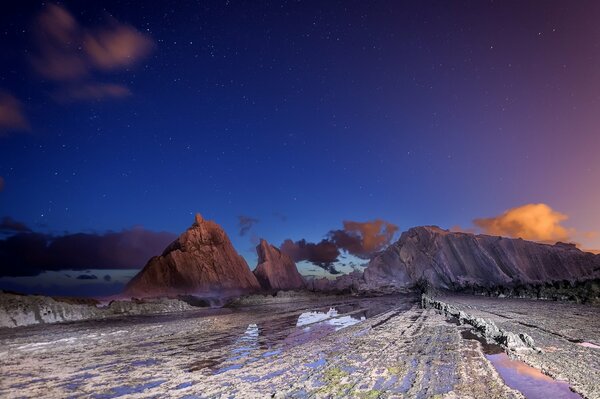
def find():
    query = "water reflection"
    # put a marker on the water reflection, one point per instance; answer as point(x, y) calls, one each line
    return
point(272, 330)
point(530, 381)
point(331, 317)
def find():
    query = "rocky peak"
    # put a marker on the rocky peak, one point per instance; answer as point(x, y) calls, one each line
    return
point(201, 260)
point(276, 270)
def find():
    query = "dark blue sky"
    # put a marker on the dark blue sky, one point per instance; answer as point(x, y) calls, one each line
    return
point(299, 114)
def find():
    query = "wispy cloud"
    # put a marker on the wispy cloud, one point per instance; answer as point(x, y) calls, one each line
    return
point(12, 117)
point(10, 225)
point(245, 223)
point(71, 54)
point(92, 91)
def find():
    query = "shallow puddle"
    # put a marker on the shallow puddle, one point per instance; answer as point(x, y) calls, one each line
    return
point(531, 382)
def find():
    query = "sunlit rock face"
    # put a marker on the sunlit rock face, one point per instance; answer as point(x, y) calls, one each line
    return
point(276, 270)
point(202, 260)
point(454, 260)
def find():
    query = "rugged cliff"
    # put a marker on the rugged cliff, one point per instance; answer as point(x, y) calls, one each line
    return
point(201, 261)
point(275, 270)
point(450, 260)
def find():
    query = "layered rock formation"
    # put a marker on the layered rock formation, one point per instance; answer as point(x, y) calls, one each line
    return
point(276, 270)
point(450, 260)
point(201, 261)
point(24, 310)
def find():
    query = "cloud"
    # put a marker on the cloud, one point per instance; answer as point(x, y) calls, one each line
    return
point(535, 222)
point(92, 91)
point(30, 253)
point(361, 239)
point(118, 46)
point(87, 277)
point(322, 254)
point(107, 277)
point(71, 54)
point(9, 225)
point(364, 239)
point(245, 223)
point(12, 117)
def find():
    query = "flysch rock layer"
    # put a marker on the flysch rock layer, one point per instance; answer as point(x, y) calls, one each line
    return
point(276, 270)
point(25, 310)
point(201, 261)
point(452, 260)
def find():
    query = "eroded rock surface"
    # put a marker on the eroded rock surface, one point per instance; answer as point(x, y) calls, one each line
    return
point(452, 260)
point(201, 261)
point(25, 310)
point(276, 270)
point(345, 348)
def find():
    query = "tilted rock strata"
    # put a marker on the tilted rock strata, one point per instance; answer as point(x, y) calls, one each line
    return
point(25, 310)
point(276, 270)
point(201, 261)
point(450, 260)
point(487, 328)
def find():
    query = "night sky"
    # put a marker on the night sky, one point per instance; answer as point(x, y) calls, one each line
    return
point(120, 120)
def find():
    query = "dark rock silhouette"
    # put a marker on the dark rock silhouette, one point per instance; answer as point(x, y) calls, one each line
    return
point(451, 260)
point(276, 270)
point(201, 261)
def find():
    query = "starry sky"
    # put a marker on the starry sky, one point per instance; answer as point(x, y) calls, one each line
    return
point(301, 122)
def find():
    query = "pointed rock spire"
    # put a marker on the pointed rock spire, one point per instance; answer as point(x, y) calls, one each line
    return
point(276, 270)
point(200, 261)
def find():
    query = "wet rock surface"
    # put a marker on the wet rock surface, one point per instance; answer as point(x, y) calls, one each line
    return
point(550, 334)
point(385, 347)
point(343, 347)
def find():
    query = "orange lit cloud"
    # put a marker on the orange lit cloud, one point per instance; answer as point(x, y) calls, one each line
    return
point(58, 36)
point(363, 239)
point(535, 222)
point(68, 52)
point(11, 114)
point(117, 47)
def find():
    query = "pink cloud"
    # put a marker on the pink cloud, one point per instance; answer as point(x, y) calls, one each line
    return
point(12, 117)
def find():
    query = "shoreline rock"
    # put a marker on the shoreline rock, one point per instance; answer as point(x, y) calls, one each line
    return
point(487, 328)
point(25, 310)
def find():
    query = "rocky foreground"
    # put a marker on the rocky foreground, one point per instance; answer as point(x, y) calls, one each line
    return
point(25, 310)
point(342, 347)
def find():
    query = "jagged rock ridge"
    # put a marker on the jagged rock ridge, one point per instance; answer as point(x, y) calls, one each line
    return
point(201, 261)
point(453, 260)
point(276, 270)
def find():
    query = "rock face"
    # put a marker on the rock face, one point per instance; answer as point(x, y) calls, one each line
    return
point(201, 261)
point(276, 270)
point(455, 261)
point(25, 310)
